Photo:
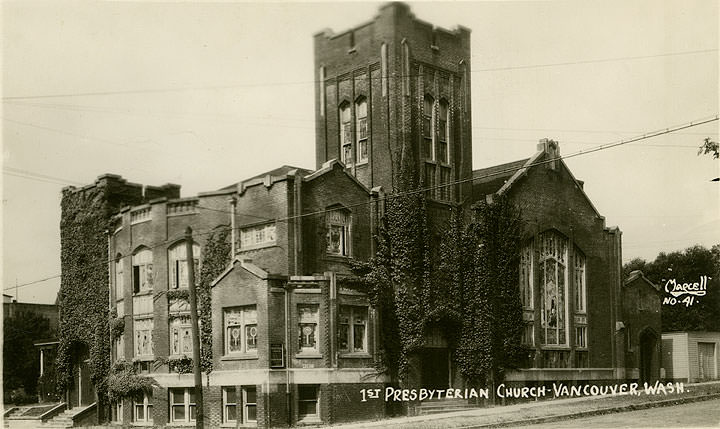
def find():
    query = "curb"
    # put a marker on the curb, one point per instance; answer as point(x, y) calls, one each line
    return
point(581, 414)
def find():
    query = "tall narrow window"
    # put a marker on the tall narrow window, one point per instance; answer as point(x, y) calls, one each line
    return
point(308, 319)
point(229, 401)
point(580, 288)
point(345, 134)
point(406, 67)
point(338, 232)
point(526, 277)
point(119, 279)
point(249, 404)
point(120, 347)
point(321, 85)
point(428, 130)
point(142, 271)
point(443, 132)
point(361, 130)
point(352, 332)
point(178, 272)
point(384, 69)
point(553, 288)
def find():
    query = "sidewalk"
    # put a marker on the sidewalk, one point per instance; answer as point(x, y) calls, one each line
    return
point(545, 411)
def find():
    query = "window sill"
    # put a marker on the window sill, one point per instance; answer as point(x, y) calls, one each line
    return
point(553, 347)
point(143, 293)
point(146, 358)
point(337, 257)
point(143, 424)
point(307, 355)
point(362, 163)
point(309, 420)
point(362, 355)
point(248, 356)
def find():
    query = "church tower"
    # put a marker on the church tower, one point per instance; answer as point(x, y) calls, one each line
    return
point(396, 87)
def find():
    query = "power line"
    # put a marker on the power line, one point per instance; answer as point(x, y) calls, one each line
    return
point(233, 86)
point(430, 188)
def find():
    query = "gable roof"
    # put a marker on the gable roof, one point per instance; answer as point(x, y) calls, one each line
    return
point(248, 266)
point(490, 179)
point(638, 275)
point(327, 167)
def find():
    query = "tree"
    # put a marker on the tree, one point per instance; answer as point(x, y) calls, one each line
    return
point(21, 361)
point(686, 267)
point(709, 147)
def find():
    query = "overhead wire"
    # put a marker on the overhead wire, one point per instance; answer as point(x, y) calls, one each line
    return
point(430, 188)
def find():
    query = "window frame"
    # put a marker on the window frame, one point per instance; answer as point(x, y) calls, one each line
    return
point(354, 310)
point(119, 278)
point(119, 345)
point(176, 256)
point(340, 218)
point(246, 405)
point(526, 272)
point(444, 138)
point(143, 278)
point(188, 406)
point(554, 253)
point(245, 320)
point(179, 323)
point(146, 405)
point(428, 134)
point(116, 411)
point(580, 280)
point(136, 351)
point(345, 123)
point(226, 405)
point(316, 400)
point(302, 322)
point(248, 236)
point(360, 140)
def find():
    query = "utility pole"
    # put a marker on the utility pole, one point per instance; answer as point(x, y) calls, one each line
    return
point(195, 331)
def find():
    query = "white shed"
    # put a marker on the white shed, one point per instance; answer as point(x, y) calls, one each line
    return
point(691, 356)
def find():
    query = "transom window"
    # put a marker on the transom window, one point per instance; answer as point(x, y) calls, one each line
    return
point(256, 236)
point(362, 130)
point(308, 320)
point(143, 337)
point(142, 262)
point(338, 232)
point(182, 404)
point(241, 331)
point(178, 269)
point(345, 134)
point(181, 336)
point(353, 329)
point(553, 288)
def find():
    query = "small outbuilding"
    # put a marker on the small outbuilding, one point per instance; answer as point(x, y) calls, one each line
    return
point(691, 356)
point(641, 328)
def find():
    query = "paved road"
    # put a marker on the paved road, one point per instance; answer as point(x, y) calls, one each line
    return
point(696, 414)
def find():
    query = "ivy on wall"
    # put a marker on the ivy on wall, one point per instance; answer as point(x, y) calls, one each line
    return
point(216, 257)
point(123, 381)
point(83, 296)
point(466, 285)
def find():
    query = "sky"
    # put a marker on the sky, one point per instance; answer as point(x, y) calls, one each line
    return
point(206, 94)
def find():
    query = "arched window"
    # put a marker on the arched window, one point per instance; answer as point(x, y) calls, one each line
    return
point(444, 131)
point(361, 130)
point(338, 224)
point(142, 262)
point(177, 267)
point(526, 276)
point(384, 68)
point(552, 268)
point(345, 134)
point(580, 287)
point(428, 130)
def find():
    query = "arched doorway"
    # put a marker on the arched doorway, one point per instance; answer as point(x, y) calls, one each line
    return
point(648, 356)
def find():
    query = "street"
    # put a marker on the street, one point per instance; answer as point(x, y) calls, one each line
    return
point(696, 414)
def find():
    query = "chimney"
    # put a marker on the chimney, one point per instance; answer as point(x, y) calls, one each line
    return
point(552, 149)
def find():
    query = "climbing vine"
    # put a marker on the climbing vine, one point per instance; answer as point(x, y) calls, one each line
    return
point(83, 296)
point(123, 381)
point(216, 257)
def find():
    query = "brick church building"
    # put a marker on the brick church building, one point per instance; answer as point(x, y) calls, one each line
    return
point(292, 343)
